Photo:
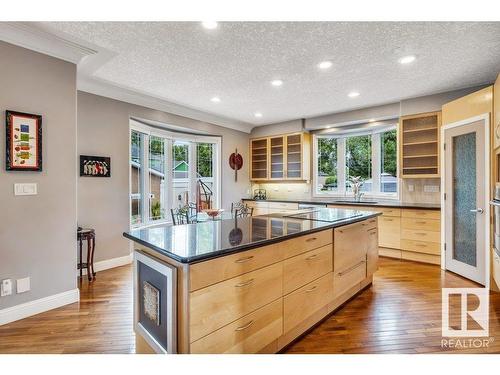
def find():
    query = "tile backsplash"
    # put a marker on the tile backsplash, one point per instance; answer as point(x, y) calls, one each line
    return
point(412, 190)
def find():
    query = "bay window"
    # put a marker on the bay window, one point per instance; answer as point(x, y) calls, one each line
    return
point(168, 169)
point(372, 155)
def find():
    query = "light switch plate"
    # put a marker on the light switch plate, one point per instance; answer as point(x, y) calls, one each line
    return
point(6, 288)
point(23, 285)
point(25, 189)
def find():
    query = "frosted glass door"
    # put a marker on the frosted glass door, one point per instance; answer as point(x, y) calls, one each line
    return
point(465, 218)
point(464, 198)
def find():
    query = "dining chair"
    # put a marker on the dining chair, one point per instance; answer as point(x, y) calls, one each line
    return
point(245, 211)
point(236, 206)
point(180, 215)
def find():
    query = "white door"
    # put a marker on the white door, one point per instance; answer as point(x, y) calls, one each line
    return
point(466, 206)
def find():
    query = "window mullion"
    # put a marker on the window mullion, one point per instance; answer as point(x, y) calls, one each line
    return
point(341, 167)
point(376, 163)
point(169, 176)
point(146, 193)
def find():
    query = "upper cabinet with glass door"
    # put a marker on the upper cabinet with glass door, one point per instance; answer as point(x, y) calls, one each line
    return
point(280, 158)
point(420, 145)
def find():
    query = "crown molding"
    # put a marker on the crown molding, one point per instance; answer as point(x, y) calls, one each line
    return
point(110, 90)
point(88, 58)
point(30, 36)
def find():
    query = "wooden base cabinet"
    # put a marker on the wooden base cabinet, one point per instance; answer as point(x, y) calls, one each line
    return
point(260, 300)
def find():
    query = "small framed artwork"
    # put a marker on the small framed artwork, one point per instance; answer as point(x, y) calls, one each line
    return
point(95, 166)
point(24, 141)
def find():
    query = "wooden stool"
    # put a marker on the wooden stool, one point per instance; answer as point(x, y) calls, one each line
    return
point(89, 236)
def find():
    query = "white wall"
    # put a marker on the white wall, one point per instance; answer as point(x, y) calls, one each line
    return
point(38, 233)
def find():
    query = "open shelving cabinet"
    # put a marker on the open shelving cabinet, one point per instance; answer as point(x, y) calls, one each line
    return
point(419, 145)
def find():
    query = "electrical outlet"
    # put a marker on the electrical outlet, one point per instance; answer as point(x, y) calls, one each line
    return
point(431, 188)
point(6, 288)
point(306, 190)
point(23, 285)
point(411, 187)
point(289, 189)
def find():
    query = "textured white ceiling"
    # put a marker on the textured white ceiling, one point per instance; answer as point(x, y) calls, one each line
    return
point(186, 64)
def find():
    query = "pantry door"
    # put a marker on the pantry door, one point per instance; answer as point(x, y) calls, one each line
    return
point(466, 193)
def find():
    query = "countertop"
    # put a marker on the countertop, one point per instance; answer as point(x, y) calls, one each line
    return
point(192, 243)
point(347, 202)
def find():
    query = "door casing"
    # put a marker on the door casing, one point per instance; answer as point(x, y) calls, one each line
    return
point(486, 118)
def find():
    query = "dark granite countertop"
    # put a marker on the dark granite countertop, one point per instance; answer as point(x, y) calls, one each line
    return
point(192, 243)
point(350, 202)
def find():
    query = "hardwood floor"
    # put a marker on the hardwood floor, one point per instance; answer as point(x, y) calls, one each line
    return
point(400, 313)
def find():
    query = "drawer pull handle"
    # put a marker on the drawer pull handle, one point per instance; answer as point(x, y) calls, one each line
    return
point(311, 239)
point(420, 234)
point(244, 283)
point(373, 233)
point(351, 269)
point(420, 245)
point(245, 326)
point(243, 260)
point(312, 257)
point(386, 219)
point(311, 289)
point(421, 222)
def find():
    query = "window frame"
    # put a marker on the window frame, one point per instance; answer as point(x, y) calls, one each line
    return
point(170, 137)
point(376, 167)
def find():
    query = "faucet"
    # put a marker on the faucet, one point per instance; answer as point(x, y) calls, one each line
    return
point(356, 184)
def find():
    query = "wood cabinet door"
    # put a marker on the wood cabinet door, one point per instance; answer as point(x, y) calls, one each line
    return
point(294, 157)
point(277, 157)
point(389, 232)
point(372, 252)
point(350, 244)
point(496, 113)
point(259, 159)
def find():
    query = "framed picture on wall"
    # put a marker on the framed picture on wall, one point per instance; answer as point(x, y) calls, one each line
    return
point(24, 141)
point(95, 166)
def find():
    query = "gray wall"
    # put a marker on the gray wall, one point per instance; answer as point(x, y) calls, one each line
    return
point(103, 203)
point(38, 233)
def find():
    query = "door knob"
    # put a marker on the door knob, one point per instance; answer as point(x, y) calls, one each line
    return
point(478, 210)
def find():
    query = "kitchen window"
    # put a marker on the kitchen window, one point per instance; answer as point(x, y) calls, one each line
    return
point(170, 169)
point(369, 154)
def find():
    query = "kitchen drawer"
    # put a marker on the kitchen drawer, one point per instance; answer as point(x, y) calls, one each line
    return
point(300, 304)
point(389, 211)
point(372, 252)
point(370, 223)
point(420, 235)
point(348, 278)
point(213, 271)
point(249, 334)
point(307, 242)
point(350, 244)
point(421, 224)
point(217, 305)
point(389, 232)
point(419, 213)
point(421, 246)
point(257, 204)
point(304, 268)
point(283, 206)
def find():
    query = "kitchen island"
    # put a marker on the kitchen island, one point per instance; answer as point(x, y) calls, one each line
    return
point(248, 285)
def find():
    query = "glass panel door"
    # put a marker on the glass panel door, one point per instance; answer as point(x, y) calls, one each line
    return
point(464, 198)
point(259, 159)
point(294, 156)
point(180, 171)
point(277, 158)
point(466, 220)
point(137, 183)
point(157, 205)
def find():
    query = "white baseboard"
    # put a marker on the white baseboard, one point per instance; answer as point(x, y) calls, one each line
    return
point(38, 306)
point(110, 263)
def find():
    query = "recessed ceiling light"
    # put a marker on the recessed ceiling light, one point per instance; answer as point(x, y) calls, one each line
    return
point(258, 114)
point(353, 94)
point(276, 82)
point(371, 120)
point(325, 65)
point(407, 59)
point(210, 25)
point(215, 99)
